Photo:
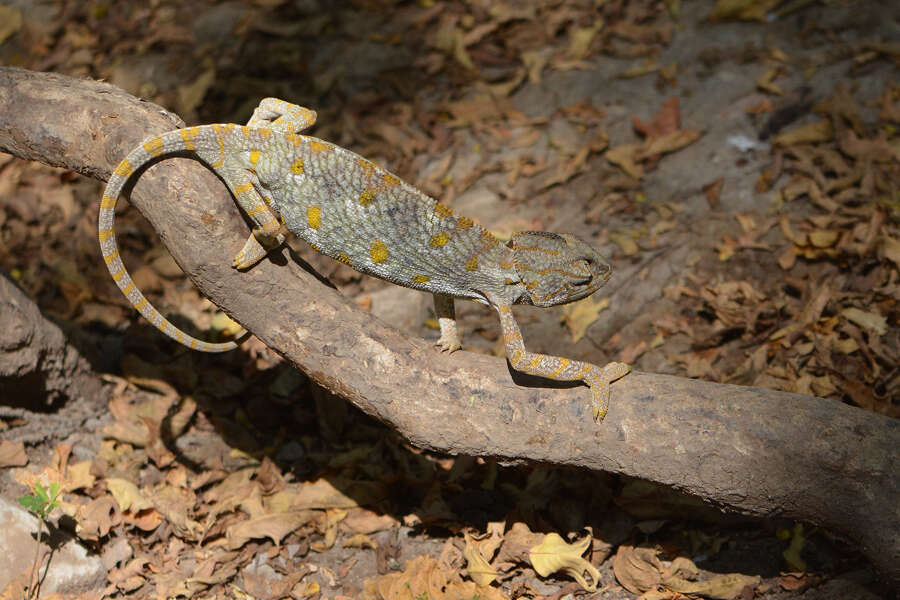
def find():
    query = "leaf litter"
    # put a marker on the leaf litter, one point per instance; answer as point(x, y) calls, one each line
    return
point(232, 524)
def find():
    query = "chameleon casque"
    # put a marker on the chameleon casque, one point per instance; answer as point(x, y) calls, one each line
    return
point(350, 209)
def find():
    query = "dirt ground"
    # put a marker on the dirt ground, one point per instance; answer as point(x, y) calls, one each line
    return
point(737, 162)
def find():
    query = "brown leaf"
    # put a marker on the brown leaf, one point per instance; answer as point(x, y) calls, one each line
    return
point(870, 321)
point(667, 120)
point(12, 454)
point(766, 82)
point(637, 569)
point(625, 157)
point(669, 142)
point(712, 191)
point(274, 526)
point(811, 133)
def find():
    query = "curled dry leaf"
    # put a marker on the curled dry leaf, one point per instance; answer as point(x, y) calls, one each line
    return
point(554, 554)
point(637, 569)
point(640, 570)
point(480, 570)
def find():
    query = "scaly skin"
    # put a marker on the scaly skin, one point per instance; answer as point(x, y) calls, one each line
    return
point(352, 210)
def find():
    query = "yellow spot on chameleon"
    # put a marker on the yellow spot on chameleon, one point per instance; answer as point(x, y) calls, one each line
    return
point(314, 216)
point(243, 188)
point(107, 202)
point(297, 166)
point(367, 197)
point(105, 234)
point(111, 256)
point(154, 146)
point(254, 157)
point(124, 169)
point(439, 239)
point(390, 180)
point(489, 238)
point(472, 264)
point(443, 211)
point(367, 167)
point(465, 223)
point(344, 258)
point(317, 146)
point(378, 251)
point(563, 363)
point(140, 305)
point(188, 136)
point(421, 278)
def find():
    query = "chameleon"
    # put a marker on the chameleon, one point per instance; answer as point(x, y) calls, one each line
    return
point(352, 210)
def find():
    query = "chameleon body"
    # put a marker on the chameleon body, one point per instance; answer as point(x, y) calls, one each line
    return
point(350, 209)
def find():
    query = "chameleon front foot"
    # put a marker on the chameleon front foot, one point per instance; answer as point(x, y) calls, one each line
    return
point(600, 387)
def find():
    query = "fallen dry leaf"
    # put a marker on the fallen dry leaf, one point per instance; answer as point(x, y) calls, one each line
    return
point(554, 554)
point(127, 495)
point(275, 527)
point(639, 570)
point(578, 316)
point(811, 133)
point(12, 454)
point(480, 570)
point(669, 142)
point(667, 120)
point(625, 157)
point(867, 320)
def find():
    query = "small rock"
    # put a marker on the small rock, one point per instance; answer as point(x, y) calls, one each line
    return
point(71, 570)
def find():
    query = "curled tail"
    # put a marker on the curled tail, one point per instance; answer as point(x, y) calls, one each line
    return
point(174, 141)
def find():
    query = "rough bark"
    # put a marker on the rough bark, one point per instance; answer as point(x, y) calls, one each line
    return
point(751, 450)
point(40, 371)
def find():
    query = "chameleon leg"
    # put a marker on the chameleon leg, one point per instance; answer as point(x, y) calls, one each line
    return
point(558, 368)
point(273, 113)
point(268, 232)
point(443, 309)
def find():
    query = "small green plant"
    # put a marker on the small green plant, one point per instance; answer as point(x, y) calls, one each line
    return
point(41, 502)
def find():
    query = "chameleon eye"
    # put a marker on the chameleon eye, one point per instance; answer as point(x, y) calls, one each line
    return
point(581, 270)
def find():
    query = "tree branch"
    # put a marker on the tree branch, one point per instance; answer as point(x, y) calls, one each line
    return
point(755, 451)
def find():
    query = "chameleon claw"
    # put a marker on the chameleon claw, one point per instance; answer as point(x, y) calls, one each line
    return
point(448, 345)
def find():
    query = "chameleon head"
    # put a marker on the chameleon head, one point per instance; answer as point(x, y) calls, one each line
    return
point(557, 269)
